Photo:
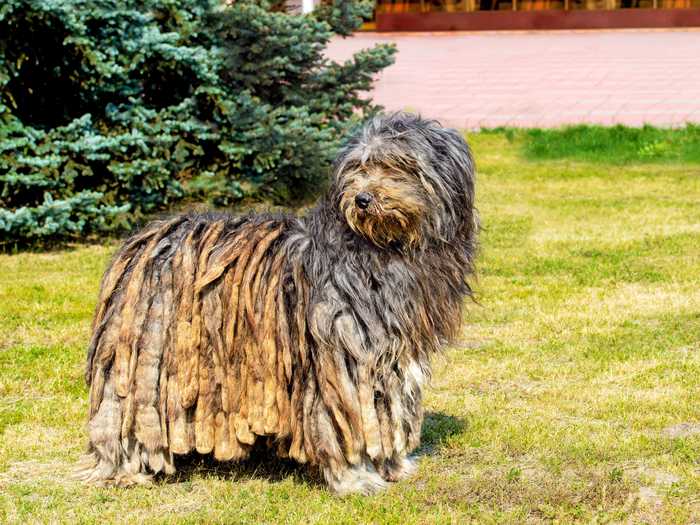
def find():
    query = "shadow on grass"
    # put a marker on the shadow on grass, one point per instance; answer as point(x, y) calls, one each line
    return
point(262, 464)
point(437, 429)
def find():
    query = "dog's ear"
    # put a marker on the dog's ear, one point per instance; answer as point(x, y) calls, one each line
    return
point(448, 166)
point(456, 162)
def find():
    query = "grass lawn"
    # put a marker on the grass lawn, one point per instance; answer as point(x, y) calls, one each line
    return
point(573, 395)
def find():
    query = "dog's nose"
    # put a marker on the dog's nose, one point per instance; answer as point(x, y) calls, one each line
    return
point(363, 199)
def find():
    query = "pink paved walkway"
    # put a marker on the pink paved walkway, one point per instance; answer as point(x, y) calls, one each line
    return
point(473, 80)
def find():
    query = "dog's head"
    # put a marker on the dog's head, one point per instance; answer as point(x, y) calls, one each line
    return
point(405, 181)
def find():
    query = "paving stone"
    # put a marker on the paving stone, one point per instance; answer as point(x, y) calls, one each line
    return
point(550, 78)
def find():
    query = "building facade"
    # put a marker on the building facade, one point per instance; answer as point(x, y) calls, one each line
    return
point(474, 15)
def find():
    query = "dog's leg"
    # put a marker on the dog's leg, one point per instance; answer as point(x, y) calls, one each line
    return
point(102, 462)
point(398, 468)
point(345, 473)
point(403, 394)
point(112, 460)
point(354, 479)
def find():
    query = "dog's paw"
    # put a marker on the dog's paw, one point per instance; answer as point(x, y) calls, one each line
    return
point(406, 468)
point(401, 468)
point(362, 480)
point(103, 473)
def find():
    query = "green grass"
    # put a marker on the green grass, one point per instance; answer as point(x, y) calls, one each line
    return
point(564, 400)
point(611, 145)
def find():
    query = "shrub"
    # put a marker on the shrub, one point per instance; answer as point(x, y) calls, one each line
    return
point(113, 109)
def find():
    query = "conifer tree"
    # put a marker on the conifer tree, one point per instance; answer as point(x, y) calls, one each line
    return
point(111, 110)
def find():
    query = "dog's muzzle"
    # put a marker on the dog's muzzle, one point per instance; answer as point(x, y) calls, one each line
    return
point(363, 199)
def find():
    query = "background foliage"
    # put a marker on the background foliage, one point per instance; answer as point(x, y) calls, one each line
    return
point(113, 109)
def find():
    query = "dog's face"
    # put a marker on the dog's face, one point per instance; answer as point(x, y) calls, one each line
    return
point(404, 181)
point(384, 203)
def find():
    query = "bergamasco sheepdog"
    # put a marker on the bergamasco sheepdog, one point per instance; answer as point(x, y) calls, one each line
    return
point(309, 337)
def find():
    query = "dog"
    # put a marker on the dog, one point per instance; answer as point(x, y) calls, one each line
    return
point(309, 337)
